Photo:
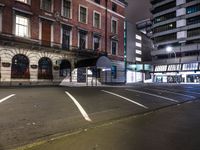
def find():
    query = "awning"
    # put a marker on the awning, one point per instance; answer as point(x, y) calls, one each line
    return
point(103, 62)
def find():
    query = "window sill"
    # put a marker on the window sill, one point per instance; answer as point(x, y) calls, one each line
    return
point(64, 17)
point(28, 4)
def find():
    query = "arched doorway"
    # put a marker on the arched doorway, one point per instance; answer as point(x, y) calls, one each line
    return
point(45, 68)
point(65, 68)
point(20, 67)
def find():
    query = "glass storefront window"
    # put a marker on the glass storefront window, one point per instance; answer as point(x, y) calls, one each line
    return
point(191, 66)
point(160, 68)
point(174, 67)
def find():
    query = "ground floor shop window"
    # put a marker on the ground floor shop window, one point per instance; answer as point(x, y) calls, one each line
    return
point(45, 68)
point(193, 78)
point(20, 67)
point(65, 68)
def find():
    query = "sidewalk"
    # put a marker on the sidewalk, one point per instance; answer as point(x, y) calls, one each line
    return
point(173, 128)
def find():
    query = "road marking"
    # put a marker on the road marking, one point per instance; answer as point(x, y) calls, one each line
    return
point(6, 98)
point(125, 98)
point(83, 112)
point(183, 91)
point(175, 93)
point(166, 98)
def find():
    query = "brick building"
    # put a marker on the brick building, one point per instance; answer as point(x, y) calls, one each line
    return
point(51, 41)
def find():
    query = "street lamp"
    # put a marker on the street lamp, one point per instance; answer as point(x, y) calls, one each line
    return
point(170, 50)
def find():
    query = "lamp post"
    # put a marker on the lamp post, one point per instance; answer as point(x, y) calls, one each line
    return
point(170, 50)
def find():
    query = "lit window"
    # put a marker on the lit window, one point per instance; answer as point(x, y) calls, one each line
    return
point(138, 52)
point(138, 37)
point(138, 59)
point(114, 26)
point(24, 1)
point(97, 20)
point(67, 8)
point(96, 41)
point(47, 5)
point(138, 44)
point(174, 67)
point(22, 26)
point(83, 14)
point(161, 68)
point(191, 66)
point(114, 45)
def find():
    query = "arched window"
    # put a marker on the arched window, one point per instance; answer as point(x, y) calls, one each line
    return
point(65, 68)
point(20, 67)
point(45, 68)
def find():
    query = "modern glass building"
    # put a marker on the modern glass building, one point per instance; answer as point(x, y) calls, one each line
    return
point(176, 36)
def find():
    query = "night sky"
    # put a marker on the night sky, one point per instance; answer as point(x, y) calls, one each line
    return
point(138, 10)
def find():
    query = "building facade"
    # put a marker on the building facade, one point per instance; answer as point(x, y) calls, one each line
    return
point(176, 36)
point(139, 48)
point(51, 41)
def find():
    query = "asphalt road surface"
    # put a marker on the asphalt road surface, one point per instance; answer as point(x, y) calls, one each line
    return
point(31, 114)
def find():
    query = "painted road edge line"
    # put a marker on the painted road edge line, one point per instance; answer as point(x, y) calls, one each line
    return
point(6, 98)
point(83, 112)
point(166, 98)
point(125, 98)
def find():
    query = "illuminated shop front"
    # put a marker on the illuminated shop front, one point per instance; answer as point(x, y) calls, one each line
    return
point(138, 72)
point(177, 73)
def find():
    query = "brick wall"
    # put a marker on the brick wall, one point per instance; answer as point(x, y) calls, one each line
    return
point(34, 8)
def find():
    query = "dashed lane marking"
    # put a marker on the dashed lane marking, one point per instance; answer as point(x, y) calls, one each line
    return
point(125, 98)
point(155, 95)
point(83, 112)
point(6, 98)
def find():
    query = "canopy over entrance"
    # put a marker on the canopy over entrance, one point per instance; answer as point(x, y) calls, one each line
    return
point(103, 62)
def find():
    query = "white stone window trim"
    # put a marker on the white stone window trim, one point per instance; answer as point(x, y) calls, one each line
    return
point(117, 44)
point(61, 36)
point(79, 15)
point(102, 7)
point(28, 2)
point(14, 26)
point(114, 19)
point(71, 10)
point(96, 12)
point(86, 41)
point(99, 43)
point(40, 33)
point(52, 6)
